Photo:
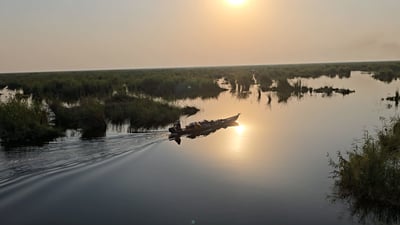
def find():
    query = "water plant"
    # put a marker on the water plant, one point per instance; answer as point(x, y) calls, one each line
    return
point(95, 91)
point(265, 82)
point(143, 113)
point(388, 73)
point(88, 116)
point(72, 86)
point(395, 98)
point(22, 123)
point(285, 90)
point(368, 176)
point(328, 90)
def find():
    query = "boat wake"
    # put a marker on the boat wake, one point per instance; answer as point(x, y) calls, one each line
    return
point(27, 162)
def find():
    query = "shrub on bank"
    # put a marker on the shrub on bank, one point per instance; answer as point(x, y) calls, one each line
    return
point(368, 177)
point(21, 123)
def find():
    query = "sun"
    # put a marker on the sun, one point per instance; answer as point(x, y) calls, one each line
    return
point(240, 129)
point(236, 2)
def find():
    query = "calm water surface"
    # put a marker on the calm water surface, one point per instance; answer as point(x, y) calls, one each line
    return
point(271, 169)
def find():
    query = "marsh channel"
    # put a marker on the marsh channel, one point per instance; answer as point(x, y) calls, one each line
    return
point(270, 169)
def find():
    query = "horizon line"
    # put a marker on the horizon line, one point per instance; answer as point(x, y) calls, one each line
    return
point(197, 66)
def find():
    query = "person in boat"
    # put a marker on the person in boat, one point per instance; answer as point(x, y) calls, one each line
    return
point(194, 125)
point(177, 125)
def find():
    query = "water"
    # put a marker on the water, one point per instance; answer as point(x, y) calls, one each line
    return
point(271, 169)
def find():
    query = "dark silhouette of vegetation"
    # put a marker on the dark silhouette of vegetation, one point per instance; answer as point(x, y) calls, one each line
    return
point(330, 90)
point(233, 86)
point(88, 116)
point(285, 90)
point(395, 98)
point(21, 123)
point(98, 104)
point(176, 86)
point(151, 114)
point(24, 124)
point(180, 83)
point(240, 85)
point(264, 74)
point(72, 86)
point(190, 110)
point(269, 100)
point(388, 73)
point(265, 83)
point(92, 118)
point(241, 77)
point(368, 177)
point(143, 113)
point(244, 83)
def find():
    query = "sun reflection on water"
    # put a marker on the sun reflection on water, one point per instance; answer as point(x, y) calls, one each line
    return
point(237, 139)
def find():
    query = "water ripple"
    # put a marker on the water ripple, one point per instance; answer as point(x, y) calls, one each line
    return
point(26, 162)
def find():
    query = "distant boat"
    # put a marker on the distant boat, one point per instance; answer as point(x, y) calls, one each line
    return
point(201, 128)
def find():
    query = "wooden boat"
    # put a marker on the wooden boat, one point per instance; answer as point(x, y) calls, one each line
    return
point(199, 128)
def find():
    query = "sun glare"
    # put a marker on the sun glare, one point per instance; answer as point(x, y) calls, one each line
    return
point(239, 129)
point(236, 2)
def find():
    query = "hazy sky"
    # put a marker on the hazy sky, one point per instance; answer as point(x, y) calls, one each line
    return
point(37, 35)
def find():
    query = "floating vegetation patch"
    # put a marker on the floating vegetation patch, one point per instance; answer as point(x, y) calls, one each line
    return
point(395, 99)
point(328, 91)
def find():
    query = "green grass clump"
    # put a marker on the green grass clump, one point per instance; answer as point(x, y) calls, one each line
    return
point(388, 73)
point(265, 83)
point(21, 124)
point(284, 90)
point(88, 116)
point(369, 176)
point(175, 86)
point(75, 85)
point(92, 119)
point(141, 113)
point(179, 83)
